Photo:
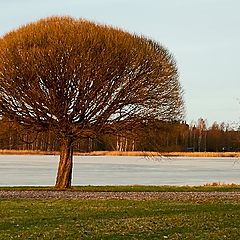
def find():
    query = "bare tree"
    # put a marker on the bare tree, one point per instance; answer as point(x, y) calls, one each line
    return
point(201, 126)
point(77, 78)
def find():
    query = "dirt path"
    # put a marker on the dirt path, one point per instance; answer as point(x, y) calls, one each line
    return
point(196, 196)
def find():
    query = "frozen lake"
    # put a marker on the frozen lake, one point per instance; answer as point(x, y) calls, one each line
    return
point(37, 170)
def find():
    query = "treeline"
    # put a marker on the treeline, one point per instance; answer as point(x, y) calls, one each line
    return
point(154, 136)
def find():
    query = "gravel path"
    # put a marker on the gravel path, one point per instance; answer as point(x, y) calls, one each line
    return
point(196, 196)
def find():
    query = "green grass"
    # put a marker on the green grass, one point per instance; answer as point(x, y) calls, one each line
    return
point(119, 219)
point(136, 188)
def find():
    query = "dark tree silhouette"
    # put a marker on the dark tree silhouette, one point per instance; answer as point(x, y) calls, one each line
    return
point(77, 78)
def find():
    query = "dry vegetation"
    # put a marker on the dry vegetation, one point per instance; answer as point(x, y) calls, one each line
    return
point(129, 153)
point(203, 154)
point(27, 152)
point(171, 154)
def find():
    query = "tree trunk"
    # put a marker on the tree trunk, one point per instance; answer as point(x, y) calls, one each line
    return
point(64, 175)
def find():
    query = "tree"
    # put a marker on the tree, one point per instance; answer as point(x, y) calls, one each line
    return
point(77, 78)
point(201, 127)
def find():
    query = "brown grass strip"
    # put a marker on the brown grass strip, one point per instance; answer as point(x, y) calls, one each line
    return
point(133, 153)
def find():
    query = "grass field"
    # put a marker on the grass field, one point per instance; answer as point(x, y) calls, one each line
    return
point(119, 219)
point(179, 218)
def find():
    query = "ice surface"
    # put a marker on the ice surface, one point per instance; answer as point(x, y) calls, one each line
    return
point(35, 170)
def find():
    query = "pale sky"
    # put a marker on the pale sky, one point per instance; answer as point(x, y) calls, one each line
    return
point(203, 35)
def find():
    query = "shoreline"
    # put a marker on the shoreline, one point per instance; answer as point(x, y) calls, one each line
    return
point(133, 153)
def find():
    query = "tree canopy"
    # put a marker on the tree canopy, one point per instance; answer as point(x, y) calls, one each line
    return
point(76, 78)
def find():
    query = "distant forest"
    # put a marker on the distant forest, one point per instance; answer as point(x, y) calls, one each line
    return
point(157, 136)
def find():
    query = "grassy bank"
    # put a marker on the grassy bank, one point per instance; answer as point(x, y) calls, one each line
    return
point(134, 153)
point(119, 219)
point(27, 152)
point(167, 154)
point(211, 187)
